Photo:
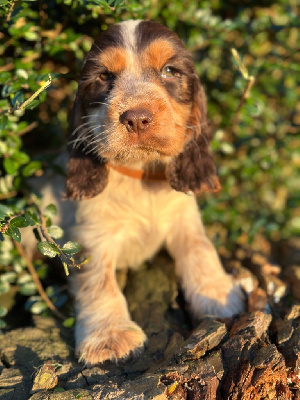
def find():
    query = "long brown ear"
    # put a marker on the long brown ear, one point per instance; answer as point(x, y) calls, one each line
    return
point(87, 174)
point(194, 169)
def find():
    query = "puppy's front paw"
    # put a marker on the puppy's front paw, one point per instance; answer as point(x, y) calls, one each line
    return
point(111, 343)
point(222, 300)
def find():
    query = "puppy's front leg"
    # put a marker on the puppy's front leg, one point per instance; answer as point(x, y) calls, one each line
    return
point(207, 287)
point(104, 329)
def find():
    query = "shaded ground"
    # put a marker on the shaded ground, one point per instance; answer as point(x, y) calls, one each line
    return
point(252, 356)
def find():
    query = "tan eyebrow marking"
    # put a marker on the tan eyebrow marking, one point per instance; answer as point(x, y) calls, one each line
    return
point(157, 54)
point(114, 59)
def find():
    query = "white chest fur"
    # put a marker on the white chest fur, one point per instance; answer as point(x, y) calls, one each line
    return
point(133, 222)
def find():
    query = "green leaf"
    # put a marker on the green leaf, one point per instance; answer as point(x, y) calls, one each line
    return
point(21, 73)
point(5, 76)
point(69, 322)
point(71, 248)
point(50, 211)
point(52, 291)
point(3, 122)
point(48, 249)
point(31, 219)
point(7, 90)
point(34, 215)
point(5, 211)
point(48, 222)
point(33, 104)
point(42, 271)
point(19, 222)
point(14, 233)
point(31, 168)
point(9, 277)
point(38, 307)
point(55, 232)
point(17, 99)
point(252, 110)
point(4, 287)
point(10, 165)
point(24, 278)
point(28, 289)
point(21, 157)
point(3, 311)
point(2, 324)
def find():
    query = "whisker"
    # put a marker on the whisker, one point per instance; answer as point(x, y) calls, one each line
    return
point(77, 142)
point(79, 127)
point(97, 140)
point(91, 129)
point(89, 116)
point(99, 102)
point(94, 44)
point(85, 134)
point(80, 138)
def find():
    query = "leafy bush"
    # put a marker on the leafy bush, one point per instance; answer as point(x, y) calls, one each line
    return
point(256, 149)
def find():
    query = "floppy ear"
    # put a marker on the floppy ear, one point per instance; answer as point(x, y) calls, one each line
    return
point(194, 169)
point(87, 174)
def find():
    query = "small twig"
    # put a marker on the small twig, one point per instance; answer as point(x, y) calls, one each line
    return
point(43, 234)
point(28, 128)
point(37, 281)
point(10, 10)
point(21, 107)
point(8, 195)
point(250, 82)
point(40, 90)
point(245, 95)
point(24, 60)
point(43, 228)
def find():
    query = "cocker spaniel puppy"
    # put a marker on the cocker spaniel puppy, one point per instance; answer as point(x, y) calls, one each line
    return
point(139, 153)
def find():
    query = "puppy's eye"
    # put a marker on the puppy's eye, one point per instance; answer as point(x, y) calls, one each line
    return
point(106, 76)
point(169, 72)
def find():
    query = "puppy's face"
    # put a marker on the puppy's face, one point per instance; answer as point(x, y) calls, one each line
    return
point(139, 99)
point(136, 94)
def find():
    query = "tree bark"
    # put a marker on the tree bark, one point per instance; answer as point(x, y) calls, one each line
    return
point(251, 356)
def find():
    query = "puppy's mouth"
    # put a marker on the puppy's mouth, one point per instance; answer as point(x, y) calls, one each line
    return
point(137, 152)
point(148, 150)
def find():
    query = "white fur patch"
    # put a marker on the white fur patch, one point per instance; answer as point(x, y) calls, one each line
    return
point(128, 33)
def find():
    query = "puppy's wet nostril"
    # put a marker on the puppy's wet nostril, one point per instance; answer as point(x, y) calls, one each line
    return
point(136, 120)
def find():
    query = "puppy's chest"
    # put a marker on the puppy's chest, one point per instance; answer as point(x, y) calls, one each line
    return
point(138, 231)
point(132, 224)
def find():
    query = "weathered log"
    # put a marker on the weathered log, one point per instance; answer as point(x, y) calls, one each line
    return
point(247, 357)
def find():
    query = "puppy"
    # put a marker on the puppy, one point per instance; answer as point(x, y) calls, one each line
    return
point(139, 154)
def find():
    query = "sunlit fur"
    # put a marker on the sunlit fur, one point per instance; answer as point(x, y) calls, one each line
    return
point(121, 221)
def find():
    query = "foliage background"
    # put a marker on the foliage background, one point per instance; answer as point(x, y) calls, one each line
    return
point(258, 157)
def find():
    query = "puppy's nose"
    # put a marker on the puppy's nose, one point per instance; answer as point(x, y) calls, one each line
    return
point(136, 120)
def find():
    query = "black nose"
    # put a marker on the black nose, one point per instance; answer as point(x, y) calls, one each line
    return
point(137, 120)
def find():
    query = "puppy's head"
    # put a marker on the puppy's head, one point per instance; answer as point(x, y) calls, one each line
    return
point(139, 99)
